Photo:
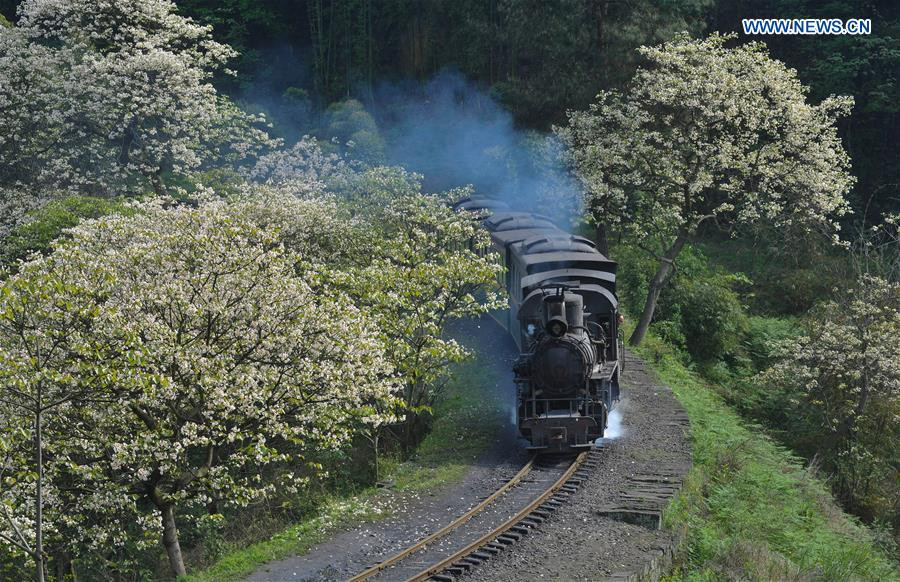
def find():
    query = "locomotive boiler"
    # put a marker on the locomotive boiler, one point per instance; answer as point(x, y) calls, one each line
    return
point(563, 315)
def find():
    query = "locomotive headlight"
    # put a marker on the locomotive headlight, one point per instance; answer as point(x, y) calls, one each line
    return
point(557, 328)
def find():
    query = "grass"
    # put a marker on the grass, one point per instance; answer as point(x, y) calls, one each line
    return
point(749, 509)
point(297, 539)
point(464, 426)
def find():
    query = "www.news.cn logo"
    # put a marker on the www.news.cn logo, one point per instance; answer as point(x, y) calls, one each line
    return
point(807, 26)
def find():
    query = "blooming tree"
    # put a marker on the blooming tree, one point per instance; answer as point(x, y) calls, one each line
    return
point(846, 368)
point(423, 267)
point(319, 228)
point(234, 355)
point(708, 133)
point(304, 170)
point(51, 355)
point(113, 95)
point(407, 260)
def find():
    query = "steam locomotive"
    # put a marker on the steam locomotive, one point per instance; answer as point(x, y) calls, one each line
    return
point(563, 316)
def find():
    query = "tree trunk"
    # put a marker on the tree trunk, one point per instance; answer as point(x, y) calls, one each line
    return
point(170, 541)
point(375, 448)
point(39, 493)
point(656, 285)
point(158, 187)
point(602, 237)
point(64, 567)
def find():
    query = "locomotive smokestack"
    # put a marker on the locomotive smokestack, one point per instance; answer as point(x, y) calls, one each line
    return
point(556, 323)
point(575, 311)
point(562, 313)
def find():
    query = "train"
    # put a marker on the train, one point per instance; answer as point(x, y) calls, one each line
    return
point(563, 316)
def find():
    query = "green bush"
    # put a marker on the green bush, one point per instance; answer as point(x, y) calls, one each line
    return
point(762, 333)
point(781, 285)
point(348, 121)
point(49, 222)
point(712, 318)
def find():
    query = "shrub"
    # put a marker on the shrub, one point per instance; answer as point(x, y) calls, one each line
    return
point(762, 333)
point(348, 121)
point(48, 223)
point(712, 318)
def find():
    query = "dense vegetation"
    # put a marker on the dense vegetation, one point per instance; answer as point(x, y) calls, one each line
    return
point(749, 509)
point(195, 320)
point(208, 312)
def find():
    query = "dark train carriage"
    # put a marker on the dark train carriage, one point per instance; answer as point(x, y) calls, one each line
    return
point(503, 243)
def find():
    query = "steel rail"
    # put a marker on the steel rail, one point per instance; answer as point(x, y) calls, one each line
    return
point(384, 564)
point(501, 529)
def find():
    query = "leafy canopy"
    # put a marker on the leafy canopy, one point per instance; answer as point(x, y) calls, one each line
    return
point(705, 132)
point(113, 95)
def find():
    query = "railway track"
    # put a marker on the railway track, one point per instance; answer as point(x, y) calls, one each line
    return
point(473, 552)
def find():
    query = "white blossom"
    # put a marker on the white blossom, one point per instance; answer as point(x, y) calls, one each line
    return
point(706, 132)
point(101, 96)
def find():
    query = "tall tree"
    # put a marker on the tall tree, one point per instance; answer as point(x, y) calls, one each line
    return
point(426, 266)
point(113, 97)
point(708, 133)
point(51, 358)
point(235, 359)
point(845, 368)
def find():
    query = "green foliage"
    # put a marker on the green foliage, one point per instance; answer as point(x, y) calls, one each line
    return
point(350, 123)
point(245, 25)
point(847, 367)
point(788, 276)
point(748, 507)
point(699, 311)
point(763, 334)
point(712, 317)
point(467, 418)
point(461, 431)
point(48, 223)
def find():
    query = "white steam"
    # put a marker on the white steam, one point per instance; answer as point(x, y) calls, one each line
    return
point(614, 428)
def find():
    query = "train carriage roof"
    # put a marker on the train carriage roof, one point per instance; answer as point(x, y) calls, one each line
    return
point(562, 241)
point(475, 204)
point(586, 276)
point(516, 221)
point(597, 260)
point(505, 237)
